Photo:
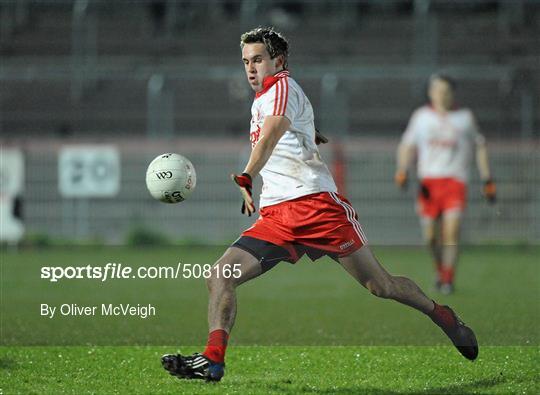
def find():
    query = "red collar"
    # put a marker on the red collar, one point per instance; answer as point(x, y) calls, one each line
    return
point(269, 81)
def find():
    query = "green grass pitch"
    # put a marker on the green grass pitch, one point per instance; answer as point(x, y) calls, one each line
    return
point(307, 328)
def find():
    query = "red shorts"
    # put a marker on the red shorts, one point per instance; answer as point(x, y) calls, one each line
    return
point(323, 221)
point(440, 195)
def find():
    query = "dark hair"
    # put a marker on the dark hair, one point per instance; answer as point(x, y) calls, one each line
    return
point(276, 44)
point(443, 77)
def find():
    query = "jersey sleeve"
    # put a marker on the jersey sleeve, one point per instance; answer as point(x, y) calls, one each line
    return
point(281, 100)
point(410, 136)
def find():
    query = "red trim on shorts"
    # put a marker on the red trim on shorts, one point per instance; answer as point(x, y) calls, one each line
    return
point(352, 217)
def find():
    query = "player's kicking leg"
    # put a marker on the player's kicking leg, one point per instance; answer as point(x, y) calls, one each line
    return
point(222, 285)
point(365, 268)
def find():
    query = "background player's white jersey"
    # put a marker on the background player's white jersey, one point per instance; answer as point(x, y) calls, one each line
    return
point(445, 143)
point(295, 167)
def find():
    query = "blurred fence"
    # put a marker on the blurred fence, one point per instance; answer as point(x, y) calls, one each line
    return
point(212, 214)
point(171, 100)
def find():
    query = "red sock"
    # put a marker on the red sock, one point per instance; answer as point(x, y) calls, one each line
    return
point(447, 274)
point(216, 345)
point(442, 316)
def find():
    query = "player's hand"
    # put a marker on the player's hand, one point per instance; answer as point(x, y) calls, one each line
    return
point(319, 137)
point(490, 191)
point(401, 179)
point(245, 185)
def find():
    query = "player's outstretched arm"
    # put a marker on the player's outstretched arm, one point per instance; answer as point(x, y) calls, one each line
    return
point(489, 189)
point(404, 156)
point(273, 129)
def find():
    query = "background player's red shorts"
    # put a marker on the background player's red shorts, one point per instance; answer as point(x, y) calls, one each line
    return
point(324, 221)
point(439, 195)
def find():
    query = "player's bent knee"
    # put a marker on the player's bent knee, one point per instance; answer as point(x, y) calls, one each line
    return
point(382, 289)
point(217, 281)
point(234, 268)
point(386, 287)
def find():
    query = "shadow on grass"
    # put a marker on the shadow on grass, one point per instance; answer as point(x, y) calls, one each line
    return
point(476, 387)
point(8, 363)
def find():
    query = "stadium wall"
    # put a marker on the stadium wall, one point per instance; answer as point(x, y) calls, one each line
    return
point(212, 214)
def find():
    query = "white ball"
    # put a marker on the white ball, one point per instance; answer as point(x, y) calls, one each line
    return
point(170, 178)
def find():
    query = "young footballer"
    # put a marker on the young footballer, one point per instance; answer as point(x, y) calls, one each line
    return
point(445, 139)
point(300, 212)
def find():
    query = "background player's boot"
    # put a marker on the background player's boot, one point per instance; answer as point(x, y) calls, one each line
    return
point(461, 335)
point(195, 366)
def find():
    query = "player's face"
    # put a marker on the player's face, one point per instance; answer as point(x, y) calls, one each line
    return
point(441, 94)
point(258, 64)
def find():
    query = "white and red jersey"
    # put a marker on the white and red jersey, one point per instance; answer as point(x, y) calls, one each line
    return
point(295, 167)
point(445, 142)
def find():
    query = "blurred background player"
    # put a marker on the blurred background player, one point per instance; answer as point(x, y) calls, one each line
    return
point(300, 213)
point(445, 139)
